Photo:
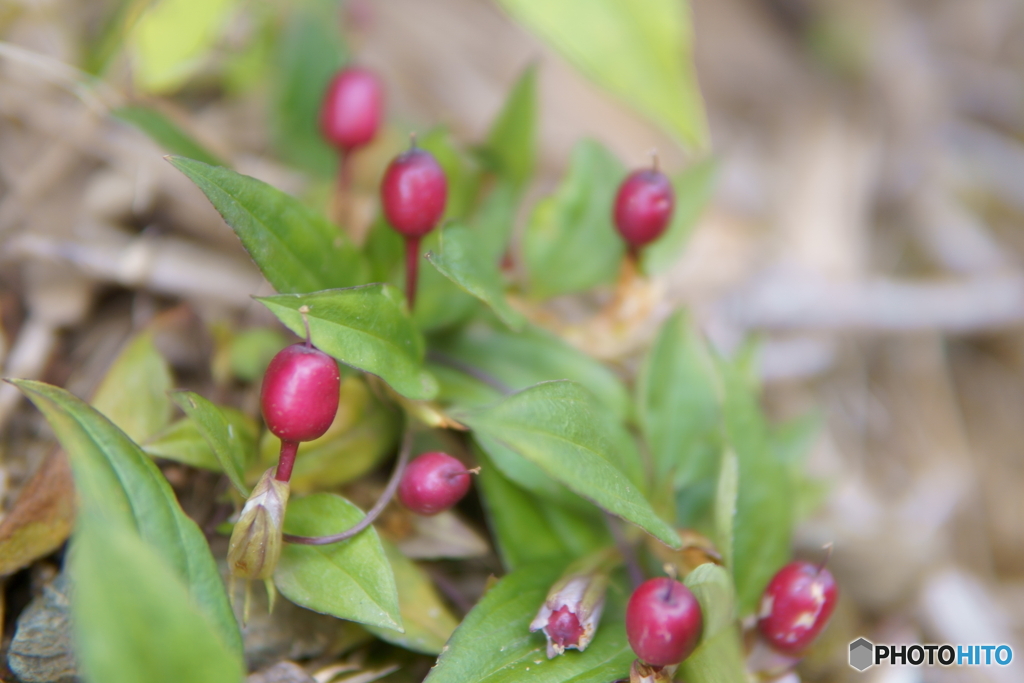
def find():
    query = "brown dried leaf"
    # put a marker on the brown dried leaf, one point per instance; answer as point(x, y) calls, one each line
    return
point(42, 517)
point(697, 550)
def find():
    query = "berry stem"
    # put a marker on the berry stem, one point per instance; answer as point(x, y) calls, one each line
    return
point(412, 266)
point(304, 312)
point(828, 554)
point(378, 507)
point(286, 460)
point(343, 190)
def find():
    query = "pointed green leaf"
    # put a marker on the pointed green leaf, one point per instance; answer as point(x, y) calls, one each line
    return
point(296, 249)
point(719, 656)
point(458, 259)
point(511, 146)
point(166, 133)
point(366, 327)
point(124, 595)
point(494, 644)
point(115, 479)
point(693, 188)
point(349, 580)
point(182, 441)
point(640, 52)
point(763, 525)
point(570, 243)
point(133, 394)
point(554, 426)
point(677, 404)
point(725, 505)
point(230, 446)
point(427, 620)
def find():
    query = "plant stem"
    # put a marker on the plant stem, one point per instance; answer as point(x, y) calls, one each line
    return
point(636, 574)
point(412, 266)
point(378, 507)
point(343, 190)
point(467, 369)
point(286, 460)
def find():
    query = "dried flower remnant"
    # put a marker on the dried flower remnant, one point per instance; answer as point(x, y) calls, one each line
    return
point(256, 540)
point(572, 610)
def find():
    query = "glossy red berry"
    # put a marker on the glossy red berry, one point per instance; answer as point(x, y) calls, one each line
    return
point(796, 606)
point(432, 483)
point(299, 397)
point(663, 622)
point(414, 192)
point(643, 207)
point(351, 109)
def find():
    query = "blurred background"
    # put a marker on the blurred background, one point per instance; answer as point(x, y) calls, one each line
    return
point(865, 223)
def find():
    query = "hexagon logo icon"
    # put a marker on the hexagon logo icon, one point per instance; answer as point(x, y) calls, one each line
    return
point(861, 654)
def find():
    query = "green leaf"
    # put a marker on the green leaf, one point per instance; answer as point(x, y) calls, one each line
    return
point(522, 534)
point(763, 526)
point(640, 52)
point(677, 404)
point(532, 356)
point(308, 54)
point(232, 450)
point(554, 426)
point(427, 620)
point(349, 580)
point(366, 327)
point(494, 644)
point(166, 133)
point(511, 147)
point(458, 259)
point(115, 479)
point(133, 394)
point(530, 476)
point(693, 188)
point(296, 249)
point(364, 431)
point(570, 243)
point(172, 41)
point(725, 506)
point(494, 220)
point(463, 178)
point(182, 441)
point(440, 303)
point(717, 660)
point(124, 594)
point(719, 656)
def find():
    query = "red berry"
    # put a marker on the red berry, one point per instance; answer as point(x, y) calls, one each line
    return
point(643, 206)
point(432, 483)
point(351, 108)
point(299, 397)
point(564, 627)
point(414, 192)
point(663, 622)
point(796, 606)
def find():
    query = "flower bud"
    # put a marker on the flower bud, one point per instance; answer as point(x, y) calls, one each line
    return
point(573, 607)
point(257, 537)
